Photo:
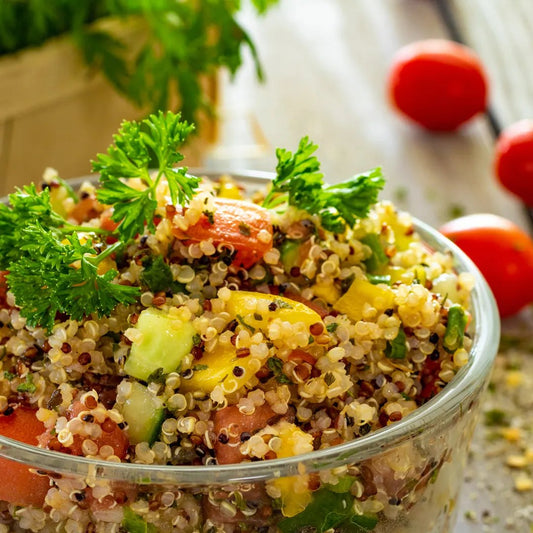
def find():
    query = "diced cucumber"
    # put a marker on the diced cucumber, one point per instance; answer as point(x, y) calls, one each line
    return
point(289, 254)
point(164, 342)
point(378, 259)
point(144, 413)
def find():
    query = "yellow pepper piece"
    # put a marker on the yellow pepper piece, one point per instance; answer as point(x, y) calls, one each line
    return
point(294, 491)
point(403, 235)
point(361, 292)
point(217, 367)
point(253, 309)
point(327, 291)
point(229, 189)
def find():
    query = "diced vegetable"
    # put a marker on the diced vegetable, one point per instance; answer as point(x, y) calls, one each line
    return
point(289, 254)
point(455, 329)
point(243, 306)
point(228, 188)
point(294, 490)
point(162, 343)
point(231, 424)
point(243, 226)
point(327, 511)
point(19, 485)
point(134, 523)
point(144, 413)
point(378, 259)
point(220, 366)
point(362, 293)
point(329, 292)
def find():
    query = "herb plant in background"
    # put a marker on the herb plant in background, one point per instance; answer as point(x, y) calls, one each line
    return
point(183, 41)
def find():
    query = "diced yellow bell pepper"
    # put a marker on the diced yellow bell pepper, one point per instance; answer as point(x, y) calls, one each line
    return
point(217, 367)
point(294, 491)
point(361, 291)
point(241, 304)
point(396, 273)
point(329, 292)
point(403, 235)
point(229, 189)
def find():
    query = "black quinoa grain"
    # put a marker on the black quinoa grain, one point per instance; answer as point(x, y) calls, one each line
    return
point(245, 436)
point(434, 338)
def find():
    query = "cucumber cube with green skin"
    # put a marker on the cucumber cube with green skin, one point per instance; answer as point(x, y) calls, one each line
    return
point(144, 413)
point(164, 341)
point(289, 251)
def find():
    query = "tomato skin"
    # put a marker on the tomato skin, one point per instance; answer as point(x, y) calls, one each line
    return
point(19, 485)
point(229, 452)
point(437, 83)
point(503, 253)
point(235, 223)
point(513, 161)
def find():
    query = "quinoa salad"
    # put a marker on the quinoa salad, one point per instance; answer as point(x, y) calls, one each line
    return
point(160, 318)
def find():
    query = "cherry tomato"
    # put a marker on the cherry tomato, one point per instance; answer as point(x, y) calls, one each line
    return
point(502, 252)
point(513, 163)
point(437, 83)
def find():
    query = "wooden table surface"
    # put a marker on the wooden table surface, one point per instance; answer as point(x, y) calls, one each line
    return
point(326, 63)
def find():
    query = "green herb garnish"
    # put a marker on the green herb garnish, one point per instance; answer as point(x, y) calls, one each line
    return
point(275, 364)
point(28, 385)
point(156, 275)
point(397, 348)
point(299, 183)
point(136, 144)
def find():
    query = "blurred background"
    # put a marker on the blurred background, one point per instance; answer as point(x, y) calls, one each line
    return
point(260, 74)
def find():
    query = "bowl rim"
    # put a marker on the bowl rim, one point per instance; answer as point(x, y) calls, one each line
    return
point(469, 379)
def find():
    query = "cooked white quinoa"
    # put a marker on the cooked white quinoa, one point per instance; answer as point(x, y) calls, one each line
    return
point(307, 354)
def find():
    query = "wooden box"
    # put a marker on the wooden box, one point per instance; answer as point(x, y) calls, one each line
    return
point(55, 112)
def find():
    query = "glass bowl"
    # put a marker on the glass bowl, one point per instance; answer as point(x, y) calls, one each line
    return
point(405, 477)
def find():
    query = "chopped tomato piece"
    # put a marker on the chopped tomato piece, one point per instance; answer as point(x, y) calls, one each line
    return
point(19, 485)
point(106, 222)
point(86, 209)
point(232, 427)
point(241, 225)
point(112, 436)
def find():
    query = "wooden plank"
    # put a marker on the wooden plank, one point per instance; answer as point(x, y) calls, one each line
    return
point(502, 34)
point(326, 76)
point(66, 135)
point(37, 77)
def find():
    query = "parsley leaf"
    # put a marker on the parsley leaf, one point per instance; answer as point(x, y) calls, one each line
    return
point(156, 274)
point(275, 364)
point(159, 137)
point(61, 276)
point(299, 183)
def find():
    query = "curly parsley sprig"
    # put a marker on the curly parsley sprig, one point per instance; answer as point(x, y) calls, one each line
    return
point(136, 144)
point(53, 276)
point(55, 266)
point(299, 183)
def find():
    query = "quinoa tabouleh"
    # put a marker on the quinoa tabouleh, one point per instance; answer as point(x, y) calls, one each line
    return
point(164, 319)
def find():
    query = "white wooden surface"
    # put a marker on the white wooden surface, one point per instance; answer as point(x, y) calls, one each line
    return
point(326, 63)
